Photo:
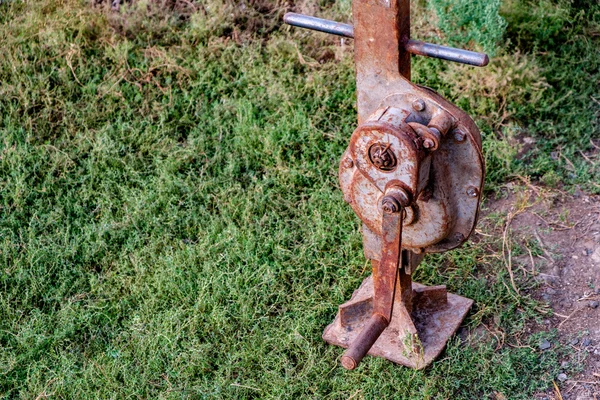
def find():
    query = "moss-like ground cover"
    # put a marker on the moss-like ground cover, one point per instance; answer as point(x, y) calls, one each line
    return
point(171, 224)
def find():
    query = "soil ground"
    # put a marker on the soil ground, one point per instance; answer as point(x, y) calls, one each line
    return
point(558, 237)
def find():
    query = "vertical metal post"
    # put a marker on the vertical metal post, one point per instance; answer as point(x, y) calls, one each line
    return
point(381, 31)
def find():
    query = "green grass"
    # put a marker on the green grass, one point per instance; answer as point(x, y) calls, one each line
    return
point(171, 224)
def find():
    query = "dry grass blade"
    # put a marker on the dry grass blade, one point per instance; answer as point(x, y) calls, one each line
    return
point(568, 317)
point(543, 246)
point(507, 252)
point(557, 391)
point(506, 241)
point(245, 387)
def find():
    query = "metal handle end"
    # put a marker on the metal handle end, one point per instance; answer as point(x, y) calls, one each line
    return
point(364, 341)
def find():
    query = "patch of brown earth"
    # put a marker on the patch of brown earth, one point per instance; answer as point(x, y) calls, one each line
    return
point(560, 234)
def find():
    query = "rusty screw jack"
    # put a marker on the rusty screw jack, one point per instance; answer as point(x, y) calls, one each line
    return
point(413, 173)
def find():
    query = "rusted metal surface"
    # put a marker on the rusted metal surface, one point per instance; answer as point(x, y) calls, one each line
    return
point(385, 278)
point(385, 273)
point(441, 215)
point(434, 327)
point(430, 297)
point(367, 337)
point(413, 173)
point(381, 28)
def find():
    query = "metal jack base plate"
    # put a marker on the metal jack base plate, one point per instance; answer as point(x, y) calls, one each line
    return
point(436, 316)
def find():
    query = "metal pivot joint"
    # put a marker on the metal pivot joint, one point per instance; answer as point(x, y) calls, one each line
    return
point(413, 173)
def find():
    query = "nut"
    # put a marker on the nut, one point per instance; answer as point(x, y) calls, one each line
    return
point(390, 205)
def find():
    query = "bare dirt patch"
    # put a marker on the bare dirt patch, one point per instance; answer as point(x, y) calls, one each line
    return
point(554, 238)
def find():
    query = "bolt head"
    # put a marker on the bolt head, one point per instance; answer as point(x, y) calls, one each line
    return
point(418, 105)
point(459, 135)
point(348, 163)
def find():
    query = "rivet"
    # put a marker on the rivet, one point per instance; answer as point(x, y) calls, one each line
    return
point(418, 105)
point(348, 163)
point(459, 135)
point(472, 191)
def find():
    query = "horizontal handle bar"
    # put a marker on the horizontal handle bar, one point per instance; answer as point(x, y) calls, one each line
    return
point(319, 24)
point(412, 46)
